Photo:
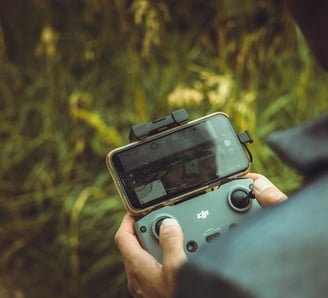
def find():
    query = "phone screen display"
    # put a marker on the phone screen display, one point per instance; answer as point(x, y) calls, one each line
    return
point(182, 161)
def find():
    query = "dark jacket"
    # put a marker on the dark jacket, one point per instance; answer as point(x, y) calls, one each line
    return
point(283, 250)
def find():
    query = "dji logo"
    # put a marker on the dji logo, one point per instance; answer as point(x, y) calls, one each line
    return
point(202, 214)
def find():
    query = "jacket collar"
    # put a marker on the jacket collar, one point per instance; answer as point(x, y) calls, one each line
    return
point(305, 148)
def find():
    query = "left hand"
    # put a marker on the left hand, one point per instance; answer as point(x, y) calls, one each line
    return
point(147, 277)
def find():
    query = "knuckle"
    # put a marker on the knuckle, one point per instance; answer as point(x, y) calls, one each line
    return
point(117, 238)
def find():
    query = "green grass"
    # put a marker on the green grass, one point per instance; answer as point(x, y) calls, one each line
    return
point(89, 75)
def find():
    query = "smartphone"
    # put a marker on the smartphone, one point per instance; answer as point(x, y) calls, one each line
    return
point(177, 164)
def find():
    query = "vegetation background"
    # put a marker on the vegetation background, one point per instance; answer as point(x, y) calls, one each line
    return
point(75, 74)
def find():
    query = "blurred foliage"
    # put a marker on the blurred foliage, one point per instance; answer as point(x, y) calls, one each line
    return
point(76, 74)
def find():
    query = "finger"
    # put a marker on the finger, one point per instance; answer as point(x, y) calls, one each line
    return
point(171, 242)
point(266, 192)
point(126, 239)
point(253, 176)
point(138, 263)
point(127, 224)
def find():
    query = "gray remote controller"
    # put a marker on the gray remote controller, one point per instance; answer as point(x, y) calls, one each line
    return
point(202, 219)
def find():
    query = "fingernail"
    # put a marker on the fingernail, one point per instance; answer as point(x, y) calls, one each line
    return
point(169, 222)
point(261, 184)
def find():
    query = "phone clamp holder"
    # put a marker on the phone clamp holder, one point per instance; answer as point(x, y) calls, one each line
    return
point(143, 130)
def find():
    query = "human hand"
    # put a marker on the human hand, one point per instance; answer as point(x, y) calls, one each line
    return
point(146, 277)
point(265, 191)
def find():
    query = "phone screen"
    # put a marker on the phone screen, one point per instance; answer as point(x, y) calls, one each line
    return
point(179, 162)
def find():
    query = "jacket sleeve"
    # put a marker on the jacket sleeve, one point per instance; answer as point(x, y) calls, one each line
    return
point(194, 281)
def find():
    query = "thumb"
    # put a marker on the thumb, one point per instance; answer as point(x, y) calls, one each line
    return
point(266, 192)
point(171, 242)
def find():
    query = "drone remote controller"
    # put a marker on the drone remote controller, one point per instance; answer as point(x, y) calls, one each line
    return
point(202, 219)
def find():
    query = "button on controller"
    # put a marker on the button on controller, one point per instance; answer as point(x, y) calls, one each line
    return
point(240, 199)
point(157, 225)
point(192, 246)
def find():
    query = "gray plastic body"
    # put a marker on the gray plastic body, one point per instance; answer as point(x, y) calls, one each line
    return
point(202, 219)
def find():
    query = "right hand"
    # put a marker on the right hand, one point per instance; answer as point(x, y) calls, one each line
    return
point(265, 191)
